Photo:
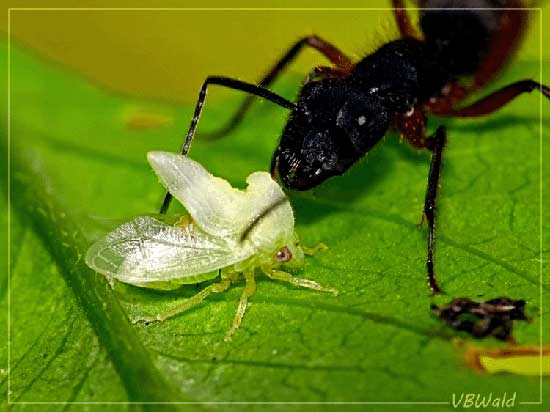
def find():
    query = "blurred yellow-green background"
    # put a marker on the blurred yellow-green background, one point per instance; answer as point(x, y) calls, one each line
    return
point(73, 157)
point(165, 54)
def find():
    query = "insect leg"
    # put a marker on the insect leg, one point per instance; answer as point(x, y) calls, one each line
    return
point(248, 291)
point(232, 84)
point(333, 54)
point(413, 128)
point(402, 19)
point(437, 145)
point(187, 304)
point(323, 72)
point(310, 251)
point(503, 44)
point(304, 283)
point(498, 99)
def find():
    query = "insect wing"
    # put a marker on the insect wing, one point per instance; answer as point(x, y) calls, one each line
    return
point(272, 216)
point(146, 250)
point(217, 207)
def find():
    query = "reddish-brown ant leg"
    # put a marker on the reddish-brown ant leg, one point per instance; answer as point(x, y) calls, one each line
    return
point(496, 100)
point(451, 94)
point(334, 55)
point(402, 19)
point(511, 26)
point(331, 52)
point(500, 50)
point(323, 72)
point(412, 126)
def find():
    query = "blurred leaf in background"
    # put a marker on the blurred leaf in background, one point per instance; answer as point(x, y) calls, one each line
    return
point(166, 54)
point(79, 168)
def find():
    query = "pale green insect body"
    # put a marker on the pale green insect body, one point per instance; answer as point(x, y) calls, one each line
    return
point(232, 233)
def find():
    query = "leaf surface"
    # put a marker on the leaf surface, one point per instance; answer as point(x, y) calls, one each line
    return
point(78, 170)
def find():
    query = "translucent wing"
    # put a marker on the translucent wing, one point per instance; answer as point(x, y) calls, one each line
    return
point(146, 250)
point(105, 224)
point(216, 207)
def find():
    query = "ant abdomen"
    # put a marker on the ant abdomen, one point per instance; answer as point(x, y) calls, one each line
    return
point(459, 31)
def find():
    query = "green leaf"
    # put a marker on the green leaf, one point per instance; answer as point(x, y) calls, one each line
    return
point(77, 170)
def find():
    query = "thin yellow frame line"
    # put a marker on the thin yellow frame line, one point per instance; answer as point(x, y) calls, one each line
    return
point(539, 9)
point(8, 123)
point(540, 207)
point(234, 403)
point(257, 8)
point(539, 402)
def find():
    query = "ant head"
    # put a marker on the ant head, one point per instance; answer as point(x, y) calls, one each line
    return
point(331, 128)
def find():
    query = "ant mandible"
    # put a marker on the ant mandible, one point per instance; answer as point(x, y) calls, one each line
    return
point(343, 110)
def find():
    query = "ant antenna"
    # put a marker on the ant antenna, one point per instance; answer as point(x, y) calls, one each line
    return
point(269, 209)
point(230, 83)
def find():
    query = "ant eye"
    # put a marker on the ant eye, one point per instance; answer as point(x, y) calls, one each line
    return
point(283, 255)
point(361, 120)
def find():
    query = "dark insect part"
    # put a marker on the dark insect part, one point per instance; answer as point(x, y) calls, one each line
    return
point(343, 110)
point(481, 319)
point(258, 218)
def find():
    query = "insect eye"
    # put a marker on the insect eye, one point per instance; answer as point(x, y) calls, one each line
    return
point(283, 255)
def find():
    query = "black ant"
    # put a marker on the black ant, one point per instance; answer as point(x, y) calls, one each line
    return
point(343, 110)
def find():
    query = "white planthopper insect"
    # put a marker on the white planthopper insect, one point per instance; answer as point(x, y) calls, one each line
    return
point(230, 234)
